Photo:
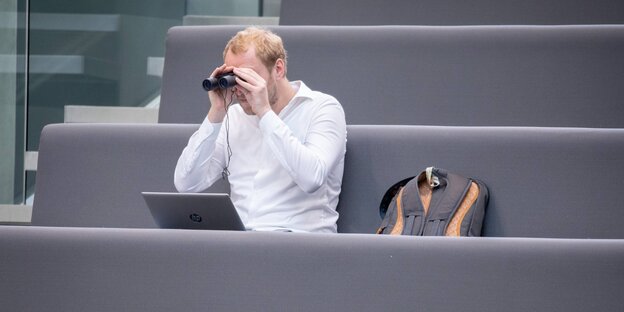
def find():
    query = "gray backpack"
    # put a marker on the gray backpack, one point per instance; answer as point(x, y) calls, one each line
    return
point(434, 203)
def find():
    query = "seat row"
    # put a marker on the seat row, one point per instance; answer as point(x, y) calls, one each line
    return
point(544, 181)
point(554, 76)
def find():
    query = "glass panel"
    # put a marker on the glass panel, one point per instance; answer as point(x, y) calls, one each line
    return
point(270, 7)
point(12, 86)
point(225, 8)
point(94, 53)
point(105, 53)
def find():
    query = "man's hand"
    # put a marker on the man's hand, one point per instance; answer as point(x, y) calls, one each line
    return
point(252, 88)
point(218, 97)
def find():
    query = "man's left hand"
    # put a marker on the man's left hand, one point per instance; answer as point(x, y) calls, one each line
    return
point(254, 88)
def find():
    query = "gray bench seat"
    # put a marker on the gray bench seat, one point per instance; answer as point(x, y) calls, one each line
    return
point(552, 76)
point(90, 269)
point(544, 182)
point(451, 12)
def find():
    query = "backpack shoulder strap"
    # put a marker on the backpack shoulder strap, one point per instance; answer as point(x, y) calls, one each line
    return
point(445, 200)
point(389, 195)
point(402, 208)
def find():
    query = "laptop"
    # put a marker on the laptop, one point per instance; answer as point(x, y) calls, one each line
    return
point(197, 211)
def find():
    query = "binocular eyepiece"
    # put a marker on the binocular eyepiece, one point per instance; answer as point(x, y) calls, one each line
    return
point(224, 81)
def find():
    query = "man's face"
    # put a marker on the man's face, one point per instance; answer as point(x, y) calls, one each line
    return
point(249, 59)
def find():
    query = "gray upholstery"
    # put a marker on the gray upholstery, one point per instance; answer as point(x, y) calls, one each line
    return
point(463, 76)
point(83, 269)
point(92, 174)
point(451, 12)
point(544, 182)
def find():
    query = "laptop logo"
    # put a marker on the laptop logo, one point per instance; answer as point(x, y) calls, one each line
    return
point(195, 218)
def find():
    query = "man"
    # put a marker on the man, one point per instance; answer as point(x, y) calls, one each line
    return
point(281, 146)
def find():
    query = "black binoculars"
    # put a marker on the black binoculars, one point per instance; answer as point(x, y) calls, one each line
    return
point(224, 81)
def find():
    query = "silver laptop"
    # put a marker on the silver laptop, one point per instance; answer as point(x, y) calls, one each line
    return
point(197, 211)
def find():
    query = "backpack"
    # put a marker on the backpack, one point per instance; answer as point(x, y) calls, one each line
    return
point(434, 203)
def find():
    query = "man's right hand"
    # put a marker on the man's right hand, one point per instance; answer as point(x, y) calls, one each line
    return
point(219, 98)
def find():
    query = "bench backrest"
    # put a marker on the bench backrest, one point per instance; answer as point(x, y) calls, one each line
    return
point(92, 175)
point(451, 12)
point(415, 75)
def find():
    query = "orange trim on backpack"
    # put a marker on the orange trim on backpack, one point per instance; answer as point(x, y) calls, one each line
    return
point(398, 226)
point(454, 226)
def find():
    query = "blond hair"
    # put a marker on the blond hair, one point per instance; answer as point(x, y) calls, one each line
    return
point(268, 45)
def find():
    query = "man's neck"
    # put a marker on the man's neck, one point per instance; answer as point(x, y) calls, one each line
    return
point(285, 93)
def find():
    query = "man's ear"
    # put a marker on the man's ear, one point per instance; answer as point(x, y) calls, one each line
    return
point(280, 68)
